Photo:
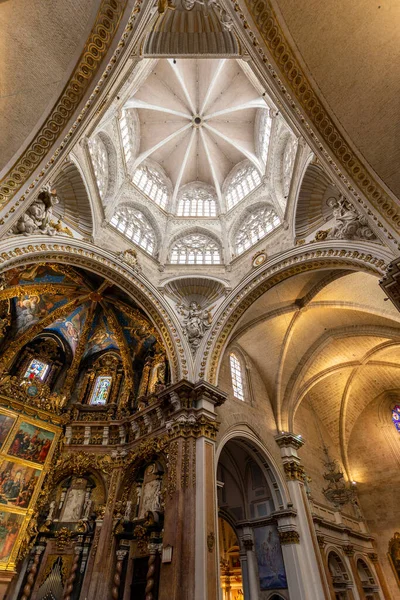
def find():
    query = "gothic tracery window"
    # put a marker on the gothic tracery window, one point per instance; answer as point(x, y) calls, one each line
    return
point(36, 368)
point(195, 249)
point(98, 155)
point(265, 134)
point(197, 203)
point(126, 135)
point(101, 390)
point(236, 376)
point(255, 226)
point(149, 181)
point(396, 417)
point(288, 163)
point(134, 225)
point(245, 180)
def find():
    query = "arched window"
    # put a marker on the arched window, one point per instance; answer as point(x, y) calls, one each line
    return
point(126, 135)
point(243, 182)
point(195, 249)
point(255, 226)
point(98, 154)
point(134, 225)
point(265, 134)
point(101, 390)
point(36, 369)
point(197, 202)
point(396, 417)
point(150, 182)
point(288, 163)
point(236, 376)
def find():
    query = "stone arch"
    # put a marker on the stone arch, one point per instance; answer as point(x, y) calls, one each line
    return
point(104, 263)
point(367, 257)
point(112, 166)
point(244, 214)
point(141, 206)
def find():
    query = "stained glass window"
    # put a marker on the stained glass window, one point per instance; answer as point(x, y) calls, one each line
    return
point(37, 369)
point(134, 225)
point(255, 226)
point(244, 181)
point(101, 390)
point(149, 181)
point(195, 249)
point(396, 417)
point(98, 154)
point(237, 379)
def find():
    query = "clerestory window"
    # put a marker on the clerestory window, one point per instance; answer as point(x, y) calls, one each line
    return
point(148, 180)
point(196, 249)
point(255, 226)
point(265, 134)
point(132, 223)
point(197, 203)
point(126, 135)
point(244, 181)
point(236, 376)
point(99, 157)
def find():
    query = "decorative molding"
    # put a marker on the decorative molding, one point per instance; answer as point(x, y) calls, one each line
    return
point(289, 537)
point(294, 471)
point(274, 39)
point(96, 48)
point(289, 440)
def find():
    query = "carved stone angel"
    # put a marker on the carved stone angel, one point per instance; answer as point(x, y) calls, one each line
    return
point(37, 217)
point(349, 224)
point(196, 321)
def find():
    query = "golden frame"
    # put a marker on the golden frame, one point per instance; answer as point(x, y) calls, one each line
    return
point(25, 513)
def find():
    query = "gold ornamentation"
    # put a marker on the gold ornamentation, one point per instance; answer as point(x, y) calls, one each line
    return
point(275, 40)
point(63, 537)
point(96, 48)
point(321, 235)
point(294, 471)
point(60, 228)
point(172, 467)
point(259, 258)
point(289, 537)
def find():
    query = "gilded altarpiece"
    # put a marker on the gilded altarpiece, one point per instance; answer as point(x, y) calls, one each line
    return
point(27, 445)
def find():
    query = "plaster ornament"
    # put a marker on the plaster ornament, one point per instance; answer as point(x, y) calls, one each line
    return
point(196, 321)
point(130, 257)
point(37, 218)
point(349, 224)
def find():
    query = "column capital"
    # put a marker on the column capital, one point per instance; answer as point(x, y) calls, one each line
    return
point(289, 536)
point(289, 440)
point(200, 395)
point(294, 471)
point(248, 544)
point(348, 550)
point(373, 557)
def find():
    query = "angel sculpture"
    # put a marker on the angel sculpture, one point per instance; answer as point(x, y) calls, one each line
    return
point(196, 321)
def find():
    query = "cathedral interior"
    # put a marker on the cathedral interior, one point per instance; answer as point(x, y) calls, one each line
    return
point(199, 300)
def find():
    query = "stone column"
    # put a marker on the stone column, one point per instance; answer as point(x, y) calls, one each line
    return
point(252, 568)
point(190, 507)
point(349, 552)
point(245, 574)
point(304, 567)
point(373, 557)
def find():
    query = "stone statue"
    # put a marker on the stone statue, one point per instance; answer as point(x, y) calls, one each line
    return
point(130, 258)
point(128, 511)
point(37, 217)
point(196, 321)
point(86, 507)
point(225, 19)
point(51, 510)
point(349, 224)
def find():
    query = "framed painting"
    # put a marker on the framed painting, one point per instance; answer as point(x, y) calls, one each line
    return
point(6, 422)
point(271, 570)
point(31, 442)
point(17, 484)
point(10, 525)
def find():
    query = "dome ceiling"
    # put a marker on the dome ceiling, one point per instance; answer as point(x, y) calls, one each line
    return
point(197, 120)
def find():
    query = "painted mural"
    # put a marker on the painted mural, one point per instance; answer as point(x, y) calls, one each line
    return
point(100, 337)
point(6, 423)
point(30, 309)
point(31, 443)
point(70, 327)
point(10, 524)
point(17, 484)
point(271, 570)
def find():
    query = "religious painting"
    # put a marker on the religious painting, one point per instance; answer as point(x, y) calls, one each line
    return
point(30, 309)
point(271, 570)
point(17, 484)
point(100, 337)
point(101, 390)
point(6, 423)
point(394, 555)
point(31, 443)
point(10, 525)
point(70, 327)
point(36, 369)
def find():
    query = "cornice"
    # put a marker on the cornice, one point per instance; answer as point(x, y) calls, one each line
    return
point(293, 83)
